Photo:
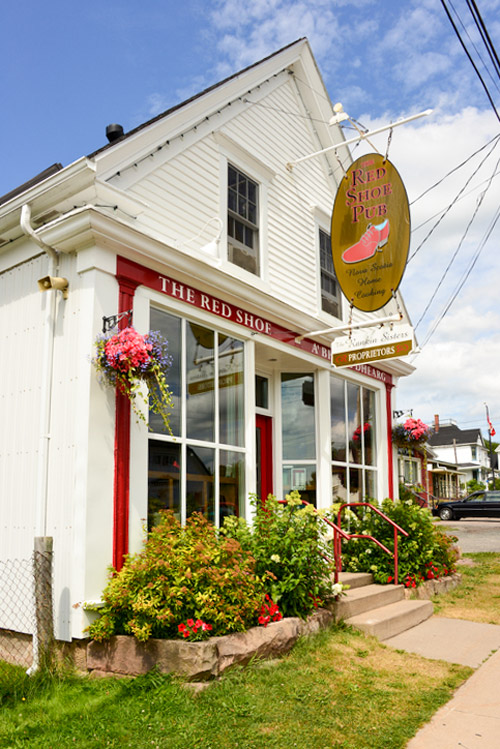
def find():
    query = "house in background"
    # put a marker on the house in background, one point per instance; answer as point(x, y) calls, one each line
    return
point(195, 223)
point(460, 452)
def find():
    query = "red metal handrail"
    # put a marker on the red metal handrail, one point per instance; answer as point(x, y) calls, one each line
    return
point(339, 534)
point(337, 544)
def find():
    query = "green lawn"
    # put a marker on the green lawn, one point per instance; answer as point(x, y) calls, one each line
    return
point(337, 689)
point(477, 598)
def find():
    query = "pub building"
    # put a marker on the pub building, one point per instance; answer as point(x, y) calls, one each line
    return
point(198, 225)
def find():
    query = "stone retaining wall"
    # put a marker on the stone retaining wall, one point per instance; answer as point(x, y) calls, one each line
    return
point(200, 661)
point(434, 587)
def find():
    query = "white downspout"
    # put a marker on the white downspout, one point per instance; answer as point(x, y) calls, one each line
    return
point(41, 500)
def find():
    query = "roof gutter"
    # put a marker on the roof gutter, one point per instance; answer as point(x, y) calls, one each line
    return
point(27, 228)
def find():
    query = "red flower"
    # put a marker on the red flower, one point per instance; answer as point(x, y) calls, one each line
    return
point(190, 622)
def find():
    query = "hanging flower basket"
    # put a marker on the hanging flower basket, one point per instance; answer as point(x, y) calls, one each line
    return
point(410, 434)
point(127, 360)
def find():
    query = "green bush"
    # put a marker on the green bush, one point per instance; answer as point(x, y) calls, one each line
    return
point(286, 540)
point(183, 574)
point(426, 553)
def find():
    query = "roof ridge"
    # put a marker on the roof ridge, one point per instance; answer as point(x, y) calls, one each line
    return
point(184, 103)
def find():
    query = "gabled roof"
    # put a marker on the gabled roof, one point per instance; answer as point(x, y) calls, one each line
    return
point(448, 435)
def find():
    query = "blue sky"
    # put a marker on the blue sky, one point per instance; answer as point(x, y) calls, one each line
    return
point(71, 69)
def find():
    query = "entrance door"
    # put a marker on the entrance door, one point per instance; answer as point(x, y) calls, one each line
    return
point(264, 436)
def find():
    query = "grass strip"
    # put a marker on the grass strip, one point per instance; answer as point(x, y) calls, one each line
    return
point(336, 689)
point(477, 598)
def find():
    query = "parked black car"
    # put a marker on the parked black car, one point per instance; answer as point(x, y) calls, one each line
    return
point(483, 504)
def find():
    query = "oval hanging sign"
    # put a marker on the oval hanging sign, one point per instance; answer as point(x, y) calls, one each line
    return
point(370, 232)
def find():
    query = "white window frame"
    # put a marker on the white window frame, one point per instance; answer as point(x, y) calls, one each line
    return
point(260, 173)
point(321, 230)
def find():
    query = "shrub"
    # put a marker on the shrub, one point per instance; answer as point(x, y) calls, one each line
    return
point(183, 574)
point(426, 550)
point(286, 540)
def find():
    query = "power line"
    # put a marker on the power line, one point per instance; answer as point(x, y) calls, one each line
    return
point(447, 210)
point(478, 205)
point(484, 35)
point(463, 279)
point(455, 169)
point(470, 59)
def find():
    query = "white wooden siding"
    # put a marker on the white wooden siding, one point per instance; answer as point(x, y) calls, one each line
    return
point(185, 192)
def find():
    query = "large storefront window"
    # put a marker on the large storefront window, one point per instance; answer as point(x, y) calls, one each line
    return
point(298, 435)
point(200, 467)
point(353, 443)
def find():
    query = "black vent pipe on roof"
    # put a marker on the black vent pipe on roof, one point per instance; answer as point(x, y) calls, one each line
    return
point(113, 132)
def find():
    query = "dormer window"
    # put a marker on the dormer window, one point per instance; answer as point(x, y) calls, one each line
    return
point(242, 221)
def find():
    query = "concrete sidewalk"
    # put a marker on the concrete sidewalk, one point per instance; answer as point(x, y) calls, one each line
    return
point(472, 717)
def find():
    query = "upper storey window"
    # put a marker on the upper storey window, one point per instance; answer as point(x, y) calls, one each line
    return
point(242, 221)
point(330, 291)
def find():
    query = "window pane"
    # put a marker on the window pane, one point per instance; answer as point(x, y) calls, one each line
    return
point(369, 427)
point(370, 485)
point(337, 415)
point(231, 413)
point(355, 485)
point(339, 484)
point(261, 392)
point(200, 481)
point(164, 471)
point(354, 422)
point(170, 327)
point(298, 422)
point(303, 479)
point(231, 485)
point(200, 407)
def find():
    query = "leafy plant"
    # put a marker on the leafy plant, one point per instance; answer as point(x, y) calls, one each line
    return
point(475, 486)
point(425, 548)
point(183, 574)
point(127, 359)
point(286, 540)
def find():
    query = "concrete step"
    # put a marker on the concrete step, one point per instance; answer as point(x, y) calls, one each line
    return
point(388, 621)
point(355, 579)
point(359, 600)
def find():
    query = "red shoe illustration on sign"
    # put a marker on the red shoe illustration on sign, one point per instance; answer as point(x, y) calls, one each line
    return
point(374, 238)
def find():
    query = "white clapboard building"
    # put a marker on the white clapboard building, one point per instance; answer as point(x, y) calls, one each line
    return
point(196, 222)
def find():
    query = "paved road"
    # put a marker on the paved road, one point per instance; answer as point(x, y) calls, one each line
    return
point(474, 535)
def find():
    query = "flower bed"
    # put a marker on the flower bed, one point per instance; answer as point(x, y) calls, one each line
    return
point(200, 661)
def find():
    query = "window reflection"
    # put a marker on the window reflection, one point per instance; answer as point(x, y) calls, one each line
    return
point(200, 397)
point(231, 414)
point(164, 471)
point(301, 478)
point(353, 441)
point(338, 426)
point(200, 481)
point(369, 428)
point(170, 327)
point(297, 414)
point(231, 484)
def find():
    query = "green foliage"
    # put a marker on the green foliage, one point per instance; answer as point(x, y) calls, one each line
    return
point(475, 486)
point(286, 540)
point(183, 573)
point(407, 494)
point(427, 552)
